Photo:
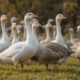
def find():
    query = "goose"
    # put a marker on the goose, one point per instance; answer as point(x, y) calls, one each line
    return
point(59, 38)
point(13, 19)
point(54, 31)
point(48, 39)
point(72, 36)
point(77, 54)
point(4, 42)
point(49, 21)
point(15, 39)
point(19, 31)
point(21, 51)
point(49, 53)
point(25, 32)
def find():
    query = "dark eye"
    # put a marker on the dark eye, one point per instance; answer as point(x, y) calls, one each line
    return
point(59, 15)
point(30, 14)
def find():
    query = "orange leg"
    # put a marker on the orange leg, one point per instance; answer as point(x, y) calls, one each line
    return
point(46, 66)
point(21, 67)
point(56, 66)
point(16, 68)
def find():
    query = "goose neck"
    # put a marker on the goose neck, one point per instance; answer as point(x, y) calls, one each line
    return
point(48, 34)
point(54, 34)
point(4, 33)
point(14, 34)
point(72, 35)
point(34, 32)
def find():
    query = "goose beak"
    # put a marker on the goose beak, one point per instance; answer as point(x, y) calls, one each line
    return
point(16, 18)
point(63, 17)
point(42, 26)
point(51, 25)
point(22, 26)
point(53, 20)
point(37, 20)
point(78, 29)
point(39, 25)
point(68, 29)
point(35, 16)
point(20, 22)
point(14, 26)
point(5, 18)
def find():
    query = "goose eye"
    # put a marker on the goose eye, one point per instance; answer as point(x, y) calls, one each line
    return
point(29, 14)
point(59, 15)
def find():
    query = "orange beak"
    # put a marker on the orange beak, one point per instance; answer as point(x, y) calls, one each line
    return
point(39, 25)
point(14, 26)
point(63, 17)
point(68, 29)
point(5, 18)
point(42, 26)
point(35, 16)
point(37, 20)
point(53, 20)
point(78, 29)
point(22, 26)
point(16, 18)
point(20, 22)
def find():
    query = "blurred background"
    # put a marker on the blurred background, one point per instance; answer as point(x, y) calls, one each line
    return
point(45, 9)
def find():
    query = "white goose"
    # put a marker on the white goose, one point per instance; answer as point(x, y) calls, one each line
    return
point(59, 38)
point(22, 51)
point(48, 39)
point(15, 39)
point(72, 36)
point(13, 19)
point(77, 54)
point(5, 42)
point(19, 32)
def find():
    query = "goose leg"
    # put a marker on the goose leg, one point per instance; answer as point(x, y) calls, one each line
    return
point(16, 68)
point(21, 67)
point(56, 66)
point(46, 66)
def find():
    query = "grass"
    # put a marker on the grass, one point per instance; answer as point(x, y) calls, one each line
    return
point(69, 71)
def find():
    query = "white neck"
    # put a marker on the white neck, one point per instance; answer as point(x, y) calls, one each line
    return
point(4, 33)
point(14, 35)
point(25, 33)
point(48, 35)
point(19, 37)
point(72, 36)
point(59, 38)
point(54, 34)
point(34, 32)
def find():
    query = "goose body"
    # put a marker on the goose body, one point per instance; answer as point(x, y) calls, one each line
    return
point(4, 42)
point(21, 51)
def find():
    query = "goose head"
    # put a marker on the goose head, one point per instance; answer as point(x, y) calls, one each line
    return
point(14, 26)
point(78, 28)
point(13, 19)
point(19, 27)
point(71, 30)
point(36, 25)
point(50, 20)
point(54, 27)
point(60, 17)
point(48, 25)
point(3, 18)
point(22, 22)
point(18, 32)
point(29, 16)
point(44, 26)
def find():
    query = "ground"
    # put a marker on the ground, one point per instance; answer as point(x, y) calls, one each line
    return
point(68, 71)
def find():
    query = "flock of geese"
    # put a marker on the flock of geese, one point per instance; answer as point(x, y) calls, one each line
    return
point(55, 51)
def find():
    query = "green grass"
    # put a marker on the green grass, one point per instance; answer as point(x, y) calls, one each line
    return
point(68, 71)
